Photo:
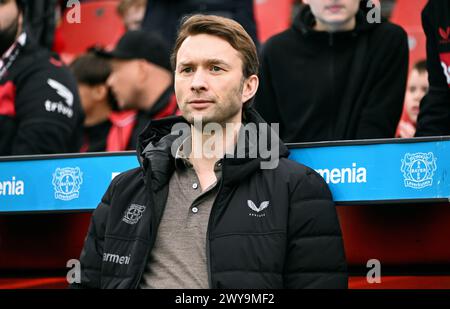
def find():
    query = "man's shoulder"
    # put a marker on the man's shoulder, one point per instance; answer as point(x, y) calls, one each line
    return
point(300, 174)
point(35, 61)
point(280, 40)
point(303, 182)
point(388, 30)
point(132, 177)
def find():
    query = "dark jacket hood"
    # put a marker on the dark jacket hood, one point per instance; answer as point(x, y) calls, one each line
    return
point(156, 142)
point(305, 20)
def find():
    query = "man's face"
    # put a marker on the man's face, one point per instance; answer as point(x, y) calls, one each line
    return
point(209, 82)
point(92, 97)
point(123, 82)
point(416, 89)
point(10, 24)
point(86, 97)
point(334, 15)
point(133, 17)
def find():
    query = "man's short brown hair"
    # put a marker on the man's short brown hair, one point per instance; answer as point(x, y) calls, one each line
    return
point(225, 28)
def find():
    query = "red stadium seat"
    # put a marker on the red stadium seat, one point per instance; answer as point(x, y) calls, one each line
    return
point(407, 13)
point(99, 25)
point(272, 17)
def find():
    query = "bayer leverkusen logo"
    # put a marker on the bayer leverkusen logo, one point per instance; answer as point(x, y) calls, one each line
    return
point(418, 169)
point(67, 182)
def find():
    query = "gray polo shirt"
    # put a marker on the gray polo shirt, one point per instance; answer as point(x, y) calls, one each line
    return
point(178, 259)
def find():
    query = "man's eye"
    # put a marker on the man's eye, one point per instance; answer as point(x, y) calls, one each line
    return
point(186, 70)
point(216, 68)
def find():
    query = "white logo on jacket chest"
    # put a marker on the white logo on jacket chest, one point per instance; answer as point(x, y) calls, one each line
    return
point(133, 214)
point(257, 209)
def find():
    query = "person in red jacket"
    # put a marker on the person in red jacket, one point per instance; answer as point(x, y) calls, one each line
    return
point(104, 129)
point(434, 116)
point(416, 89)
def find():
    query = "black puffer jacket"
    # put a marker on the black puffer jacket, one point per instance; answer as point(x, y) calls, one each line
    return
point(296, 244)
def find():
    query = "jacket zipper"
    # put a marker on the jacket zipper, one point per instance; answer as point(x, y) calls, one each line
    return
point(152, 242)
point(211, 215)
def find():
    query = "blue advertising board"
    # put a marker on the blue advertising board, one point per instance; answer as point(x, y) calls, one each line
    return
point(361, 172)
point(394, 172)
point(59, 184)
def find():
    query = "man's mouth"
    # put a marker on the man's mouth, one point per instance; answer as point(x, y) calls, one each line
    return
point(334, 8)
point(200, 103)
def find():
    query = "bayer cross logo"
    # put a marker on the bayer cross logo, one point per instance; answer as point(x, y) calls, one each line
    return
point(418, 169)
point(133, 214)
point(67, 182)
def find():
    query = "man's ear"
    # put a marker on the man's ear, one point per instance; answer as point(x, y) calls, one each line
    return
point(249, 88)
point(100, 92)
point(143, 69)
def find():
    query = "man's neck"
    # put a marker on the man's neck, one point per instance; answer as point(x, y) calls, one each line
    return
point(208, 149)
point(331, 28)
point(98, 115)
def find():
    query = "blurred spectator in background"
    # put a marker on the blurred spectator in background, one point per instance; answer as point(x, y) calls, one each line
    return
point(40, 18)
point(164, 16)
point(416, 89)
point(132, 13)
point(434, 116)
point(142, 78)
point(104, 129)
point(334, 75)
point(40, 112)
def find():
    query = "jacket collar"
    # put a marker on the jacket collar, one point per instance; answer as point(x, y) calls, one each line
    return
point(156, 142)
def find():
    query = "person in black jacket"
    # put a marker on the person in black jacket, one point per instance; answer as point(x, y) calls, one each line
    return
point(164, 16)
point(337, 73)
point(434, 115)
point(192, 218)
point(40, 111)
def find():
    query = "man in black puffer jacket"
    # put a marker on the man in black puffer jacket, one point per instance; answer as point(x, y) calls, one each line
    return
point(247, 217)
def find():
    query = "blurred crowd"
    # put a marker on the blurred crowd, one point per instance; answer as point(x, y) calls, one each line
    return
point(319, 83)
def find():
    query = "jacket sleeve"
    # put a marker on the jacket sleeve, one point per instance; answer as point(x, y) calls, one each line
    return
point(49, 114)
point(434, 116)
point(381, 114)
point(315, 252)
point(92, 254)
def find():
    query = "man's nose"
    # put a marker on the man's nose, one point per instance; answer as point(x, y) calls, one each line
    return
point(199, 81)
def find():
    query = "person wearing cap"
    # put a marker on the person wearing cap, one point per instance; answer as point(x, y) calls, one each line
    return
point(105, 128)
point(40, 110)
point(141, 78)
